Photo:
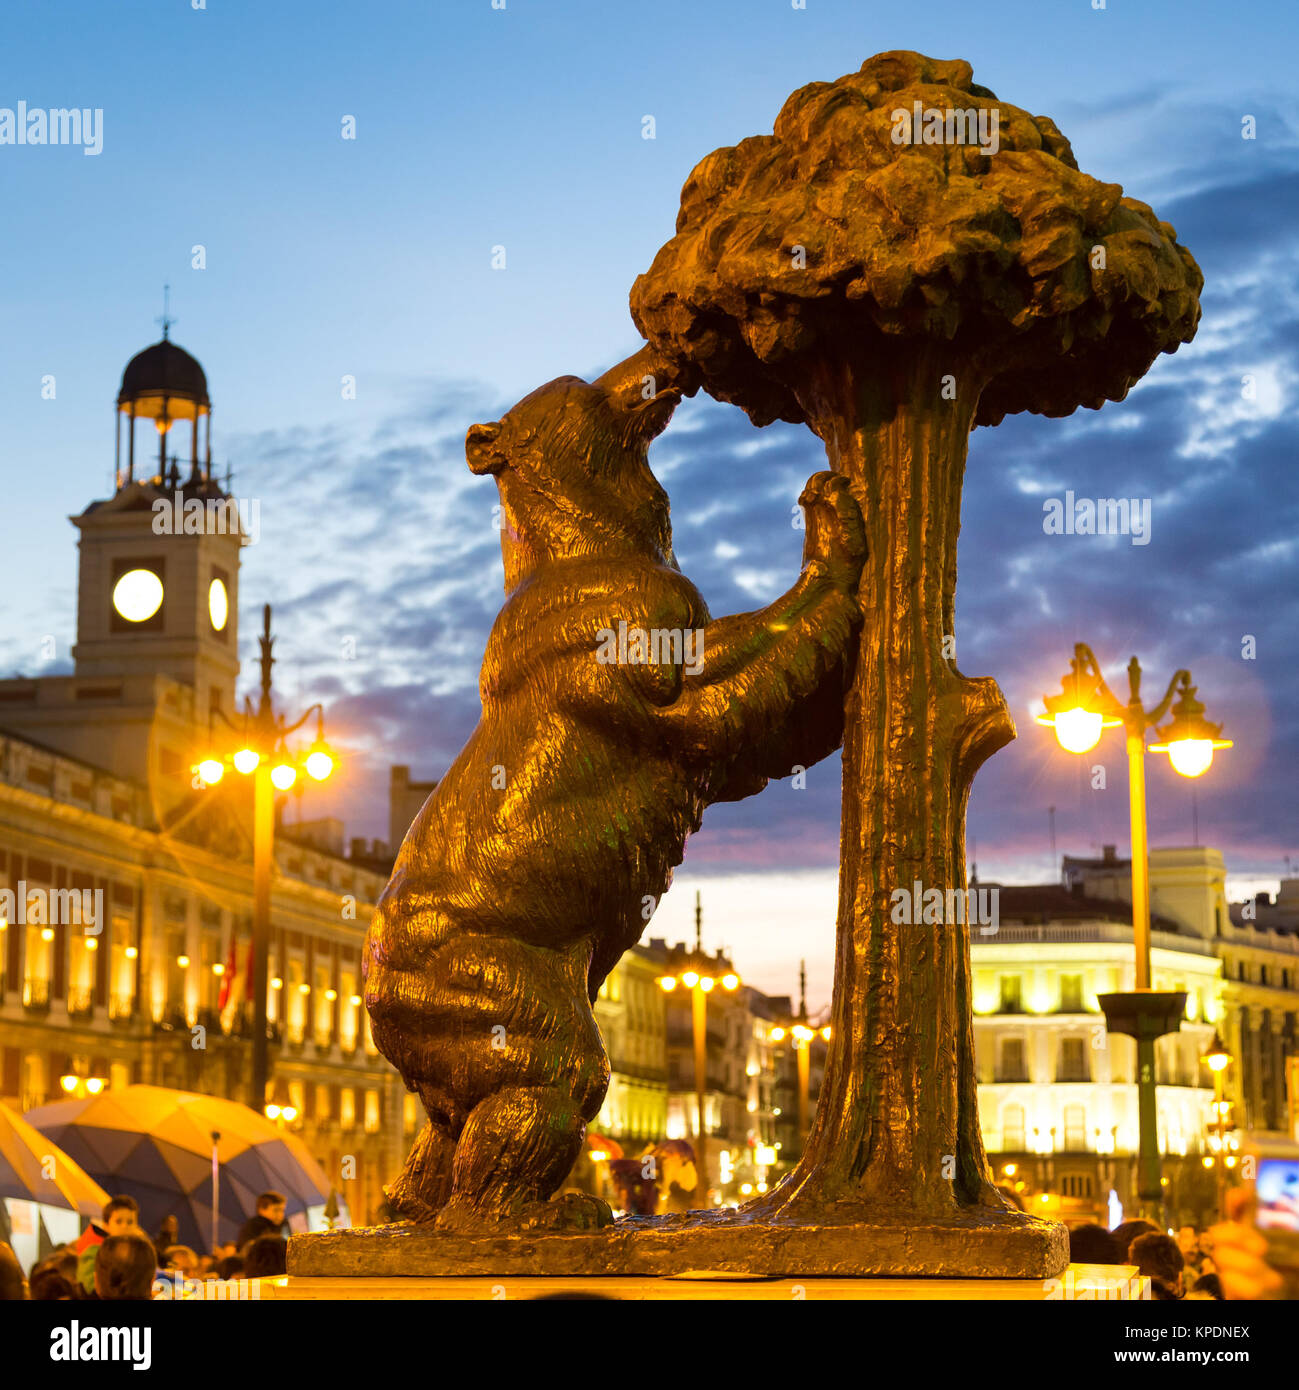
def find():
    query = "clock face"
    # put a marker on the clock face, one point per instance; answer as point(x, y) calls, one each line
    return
point(218, 605)
point(137, 595)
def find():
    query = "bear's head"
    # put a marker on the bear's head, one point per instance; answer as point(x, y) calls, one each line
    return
point(571, 463)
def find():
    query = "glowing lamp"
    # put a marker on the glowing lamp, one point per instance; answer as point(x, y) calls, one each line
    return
point(1189, 738)
point(730, 981)
point(69, 1083)
point(94, 1084)
point(1080, 711)
point(667, 983)
point(1217, 1058)
point(706, 982)
point(210, 771)
point(690, 979)
point(284, 775)
point(319, 764)
point(246, 760)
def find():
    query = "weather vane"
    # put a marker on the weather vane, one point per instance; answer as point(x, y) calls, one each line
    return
point(166, 320)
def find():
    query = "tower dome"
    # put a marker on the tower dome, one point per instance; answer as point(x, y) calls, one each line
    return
point(164, 383)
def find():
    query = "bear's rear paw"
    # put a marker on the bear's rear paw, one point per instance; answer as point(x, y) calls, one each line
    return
point(574, 1211)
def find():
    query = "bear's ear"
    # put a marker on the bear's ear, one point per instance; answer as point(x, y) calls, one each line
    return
point(481, 450)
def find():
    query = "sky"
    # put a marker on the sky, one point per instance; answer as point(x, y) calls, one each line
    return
point(371, 258)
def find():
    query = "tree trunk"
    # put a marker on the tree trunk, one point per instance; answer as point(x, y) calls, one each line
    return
point(896, 1134)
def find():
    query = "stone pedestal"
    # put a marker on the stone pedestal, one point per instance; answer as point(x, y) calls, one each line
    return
point(1078, 1283)
point(979, 1244)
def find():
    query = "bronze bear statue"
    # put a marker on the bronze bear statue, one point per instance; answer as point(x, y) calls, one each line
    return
point(538, 859)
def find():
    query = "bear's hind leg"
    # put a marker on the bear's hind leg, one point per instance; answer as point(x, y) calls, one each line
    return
point(516, 1148)
point(424, 1184)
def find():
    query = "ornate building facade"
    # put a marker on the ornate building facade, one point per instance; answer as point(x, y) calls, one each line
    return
point(126, 885)
point(1057, 1092)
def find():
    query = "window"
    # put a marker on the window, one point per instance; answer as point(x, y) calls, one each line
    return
point(295, 1006)
point(1073, 1060)
point(324, 1024)
point(1075, 1127)
point(1012, 988)
point(1012, 1129)
point(1071, 994)
point(348, 1013)
point(372, 1112)
point(1013, 1067)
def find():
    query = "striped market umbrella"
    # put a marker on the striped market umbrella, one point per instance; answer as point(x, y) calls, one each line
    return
point(34, 1169)
point(156, 1144)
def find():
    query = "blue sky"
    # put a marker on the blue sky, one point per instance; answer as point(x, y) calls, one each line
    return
point(522, 128)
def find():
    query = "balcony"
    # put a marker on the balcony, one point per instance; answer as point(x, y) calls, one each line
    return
point(36, 996)
point(81, 1003)
point(1011, 1076)
point(1076, 1074)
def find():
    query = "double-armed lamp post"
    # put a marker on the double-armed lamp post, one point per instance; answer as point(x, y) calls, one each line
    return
point(260, 751)
point(1079, 714)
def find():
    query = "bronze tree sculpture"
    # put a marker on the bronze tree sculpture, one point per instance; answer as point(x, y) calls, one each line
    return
point(892, 295)
point(614, 710)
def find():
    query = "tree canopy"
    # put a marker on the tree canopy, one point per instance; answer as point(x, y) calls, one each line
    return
point(839, 236)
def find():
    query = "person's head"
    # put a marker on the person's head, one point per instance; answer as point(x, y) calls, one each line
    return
point(1157, 1256)
point(1125, 1233)
point(121, 1215)
point(1207, 1285)
point(232, 1267)
point(13, 1286)
point(271, 1206)
point(49, 1286)
point(1093, 1245)
point(125, 1266)
point(169, 1227)
point(267, 1256)
point(63, 1262)
point(180, 1258)
point(1188, 1242)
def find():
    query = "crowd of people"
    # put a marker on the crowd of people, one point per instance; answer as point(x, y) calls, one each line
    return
point(114, 1259)
point(1225, 1261)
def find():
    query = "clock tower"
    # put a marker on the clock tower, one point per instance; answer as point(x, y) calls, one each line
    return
point(159, 567)
point(156, 653)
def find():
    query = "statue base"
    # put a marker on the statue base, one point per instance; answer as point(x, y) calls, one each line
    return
point(979, 1245)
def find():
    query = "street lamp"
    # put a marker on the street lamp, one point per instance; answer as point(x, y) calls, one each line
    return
point(261, 751)
point(1085, 707)
point(801, 1034)
point(696, 976)
point(1223, 1141)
